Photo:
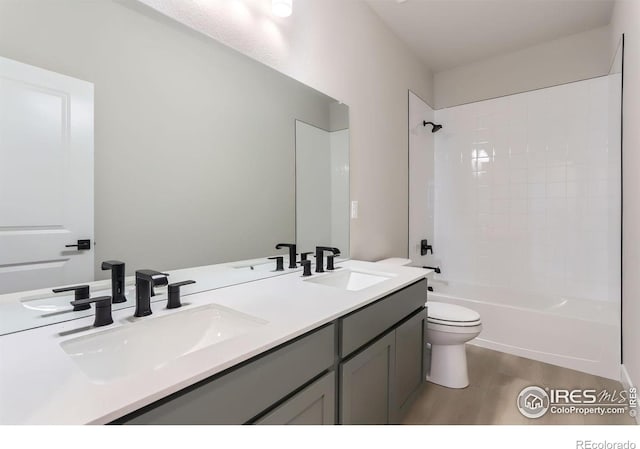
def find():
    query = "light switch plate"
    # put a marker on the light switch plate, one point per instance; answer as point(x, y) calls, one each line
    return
point(354, 209)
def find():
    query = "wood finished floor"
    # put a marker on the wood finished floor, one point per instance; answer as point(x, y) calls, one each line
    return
point(496, 379)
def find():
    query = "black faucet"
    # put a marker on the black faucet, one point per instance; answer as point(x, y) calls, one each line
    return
point(103, 309)
point(80, 292)
point(303, 256)
point(279, 262)
point(436, 269)
point(145, 281)
point(117, 279)
point(320, 259)
point(292, 253)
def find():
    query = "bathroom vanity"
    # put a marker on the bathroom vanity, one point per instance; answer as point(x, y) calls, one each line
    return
point(249, 345)
point(339, 347)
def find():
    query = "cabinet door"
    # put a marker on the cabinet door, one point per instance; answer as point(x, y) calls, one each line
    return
point(366, 384)
point(409, 375)
point(313, 405)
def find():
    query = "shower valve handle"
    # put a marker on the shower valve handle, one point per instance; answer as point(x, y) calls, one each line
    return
point(425, 247)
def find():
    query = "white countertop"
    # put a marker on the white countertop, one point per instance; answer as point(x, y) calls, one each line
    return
point(41, 384)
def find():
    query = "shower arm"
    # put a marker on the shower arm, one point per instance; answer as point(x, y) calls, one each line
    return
point(435, 127)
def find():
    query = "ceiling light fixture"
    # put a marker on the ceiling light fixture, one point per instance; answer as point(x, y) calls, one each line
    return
point(282, 8)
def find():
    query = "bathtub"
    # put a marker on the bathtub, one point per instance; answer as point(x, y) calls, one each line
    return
point(575, 333)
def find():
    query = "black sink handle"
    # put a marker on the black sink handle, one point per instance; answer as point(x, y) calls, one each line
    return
point(103, 309)
point(279, 262)
point(80, 292)
point(306, 265)
point(174, 294)
point(303, 256)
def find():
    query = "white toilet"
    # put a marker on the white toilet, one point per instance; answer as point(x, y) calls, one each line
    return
point(449, 327)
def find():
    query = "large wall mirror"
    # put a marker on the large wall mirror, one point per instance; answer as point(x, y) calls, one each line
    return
point(162, 147)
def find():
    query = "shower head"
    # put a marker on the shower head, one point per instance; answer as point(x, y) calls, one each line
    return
point(435, 127)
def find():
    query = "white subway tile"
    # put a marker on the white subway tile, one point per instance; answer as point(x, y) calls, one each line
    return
point(518, 191)
point(537, 159)
point(537, 175)
point(557, 173)
point(537, 190)
point(556, 190)
point(518, 175)
point(524, 186)
point(518, 160)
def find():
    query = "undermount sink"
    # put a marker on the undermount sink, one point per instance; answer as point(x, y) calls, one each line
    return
point(352, 280)
point(60, 302)
point(261, 266)
point(150, 343)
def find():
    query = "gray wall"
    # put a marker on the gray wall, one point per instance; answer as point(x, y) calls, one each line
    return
point(576, 57)
point(194, 142)
point(626, 19)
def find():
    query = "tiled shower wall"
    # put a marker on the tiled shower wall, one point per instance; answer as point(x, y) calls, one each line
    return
point(527, 191)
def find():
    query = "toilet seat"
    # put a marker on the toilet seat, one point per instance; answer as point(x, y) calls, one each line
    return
point(453, 323)
point(454, 329)
point(451, 315)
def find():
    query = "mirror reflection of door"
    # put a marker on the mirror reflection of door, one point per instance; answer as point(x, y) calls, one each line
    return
point(46, 132)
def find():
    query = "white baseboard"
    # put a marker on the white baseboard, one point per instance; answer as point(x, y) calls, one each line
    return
point(626, 383)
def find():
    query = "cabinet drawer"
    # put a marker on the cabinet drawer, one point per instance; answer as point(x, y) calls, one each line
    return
point(365, 324)
point(312, 406)
point(243, 393)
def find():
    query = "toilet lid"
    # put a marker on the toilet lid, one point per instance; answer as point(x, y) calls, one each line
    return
point(441, 311)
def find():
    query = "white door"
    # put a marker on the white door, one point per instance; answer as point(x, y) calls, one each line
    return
point(46, 177)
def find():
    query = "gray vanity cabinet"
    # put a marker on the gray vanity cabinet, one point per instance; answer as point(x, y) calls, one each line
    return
point(313, 405)
point(367, 382)
point(379, 382)
point(381, 350)
point(409, 372)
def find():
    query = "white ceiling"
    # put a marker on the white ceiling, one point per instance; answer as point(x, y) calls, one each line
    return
point(450, 33)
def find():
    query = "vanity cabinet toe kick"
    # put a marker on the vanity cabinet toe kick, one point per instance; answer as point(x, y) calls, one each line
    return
point(317, 378)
